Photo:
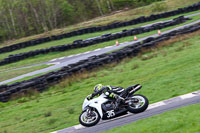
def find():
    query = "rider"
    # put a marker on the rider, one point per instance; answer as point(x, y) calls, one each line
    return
point(109, 91)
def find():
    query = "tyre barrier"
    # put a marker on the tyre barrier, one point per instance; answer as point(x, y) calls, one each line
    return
point(93, 41)
point(138, 20)
point(41, 83)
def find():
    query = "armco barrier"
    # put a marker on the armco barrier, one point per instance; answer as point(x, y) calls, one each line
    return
point(92, 41)
point(42, 82)
point(141, 19)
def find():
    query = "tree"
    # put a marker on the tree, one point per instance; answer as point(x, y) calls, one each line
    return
point(21, 18)
point(99, 7)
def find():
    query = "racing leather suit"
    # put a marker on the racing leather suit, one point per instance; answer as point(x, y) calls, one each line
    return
point(111, 92)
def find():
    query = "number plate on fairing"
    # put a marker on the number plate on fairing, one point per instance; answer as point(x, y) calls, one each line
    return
point(110, 113)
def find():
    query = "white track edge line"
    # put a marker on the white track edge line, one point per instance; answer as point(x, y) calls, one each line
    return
point(186, 96)
point(109, 47)
point(86, 52)
point(70, 56)
point(54, 59)
point(54, 63)
point(61, 58)
point(97, 49)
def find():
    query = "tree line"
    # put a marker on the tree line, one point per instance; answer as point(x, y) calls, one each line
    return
point(20, 18)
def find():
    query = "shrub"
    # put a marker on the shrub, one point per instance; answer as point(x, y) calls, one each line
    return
point(22, 100)
point(47, 114)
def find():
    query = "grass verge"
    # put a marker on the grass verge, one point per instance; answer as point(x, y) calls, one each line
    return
point(14, 73)
point(164, 72)
point(154, 8)
point(30, 77)
point(177, 121)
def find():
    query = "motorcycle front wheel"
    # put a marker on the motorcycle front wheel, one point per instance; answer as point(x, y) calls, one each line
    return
point(138, 103)
point(89, 119)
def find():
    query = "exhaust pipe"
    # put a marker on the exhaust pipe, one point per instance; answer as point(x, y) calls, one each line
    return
point(138, 87)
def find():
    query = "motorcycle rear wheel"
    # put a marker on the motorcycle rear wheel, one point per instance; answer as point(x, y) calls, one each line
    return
point(88, 121)
point(139, 106)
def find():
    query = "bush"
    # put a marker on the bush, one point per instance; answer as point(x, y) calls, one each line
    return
point(22, 100)
point(47, 114)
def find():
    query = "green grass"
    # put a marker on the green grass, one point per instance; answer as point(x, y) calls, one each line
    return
point(182, 120)
point(43, 58)
point(30, 77)
point(123, 15)
point(15, 73)
point(83, 37)
point(165, 72)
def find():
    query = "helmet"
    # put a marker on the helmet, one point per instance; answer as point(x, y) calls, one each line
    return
point(98, 87)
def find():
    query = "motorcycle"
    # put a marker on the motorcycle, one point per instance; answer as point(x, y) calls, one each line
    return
point(103, 107)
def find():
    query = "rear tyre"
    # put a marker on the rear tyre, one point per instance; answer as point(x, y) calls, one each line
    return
point(138, 103)
point(89, 120)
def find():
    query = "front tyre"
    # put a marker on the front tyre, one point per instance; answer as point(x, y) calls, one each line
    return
point(138, 103)
point(90, 118)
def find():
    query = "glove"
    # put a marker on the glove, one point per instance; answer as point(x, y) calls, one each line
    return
point(89, 97)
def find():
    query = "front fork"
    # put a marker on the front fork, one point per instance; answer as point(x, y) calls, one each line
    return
point(89, 112)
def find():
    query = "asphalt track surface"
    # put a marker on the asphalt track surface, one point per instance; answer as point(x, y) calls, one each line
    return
point(153, 109)
point(64, 61)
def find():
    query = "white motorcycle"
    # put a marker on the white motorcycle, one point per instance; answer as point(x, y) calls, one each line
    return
point(103, 107)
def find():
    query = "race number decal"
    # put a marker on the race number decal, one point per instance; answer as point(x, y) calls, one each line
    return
point(110, 113)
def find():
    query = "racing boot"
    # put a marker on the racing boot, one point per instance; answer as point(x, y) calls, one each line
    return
point(118, 100)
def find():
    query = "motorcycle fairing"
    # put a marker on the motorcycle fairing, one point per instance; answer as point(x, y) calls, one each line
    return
point(96, 103)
